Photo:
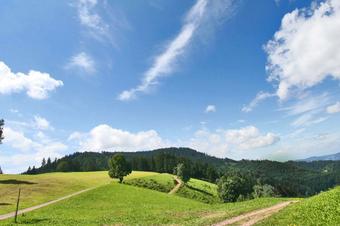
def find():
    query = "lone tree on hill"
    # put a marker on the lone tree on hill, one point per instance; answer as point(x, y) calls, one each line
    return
point(2, 123)
point(182, 172)
point(119, 167)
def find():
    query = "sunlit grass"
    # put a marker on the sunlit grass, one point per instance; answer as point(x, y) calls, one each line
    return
point(323, 209)
point(37, 189)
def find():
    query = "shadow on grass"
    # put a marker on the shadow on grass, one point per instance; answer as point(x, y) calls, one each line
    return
point(11, 181)
point(5, 204)
point(199, 190)
point(31, 221)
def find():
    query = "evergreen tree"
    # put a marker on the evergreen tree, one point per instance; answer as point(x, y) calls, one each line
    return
point(48, 161)
point(43, 163)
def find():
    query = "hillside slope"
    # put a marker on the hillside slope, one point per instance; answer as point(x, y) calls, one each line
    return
point(322, 209)
point(119, 204)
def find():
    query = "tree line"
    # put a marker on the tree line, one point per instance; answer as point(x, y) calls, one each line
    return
point(288, 179)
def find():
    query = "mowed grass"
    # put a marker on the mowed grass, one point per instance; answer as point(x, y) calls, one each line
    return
point(37, 189)
point(119, 204)
point(200, 190)
point(161, 182)
point(322, 209)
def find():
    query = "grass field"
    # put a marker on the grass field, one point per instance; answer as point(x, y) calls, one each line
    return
point(200, 190)
point(161, 182)
point(36, 189)
point(194, 189)
point(323, 209)
point(129, 205)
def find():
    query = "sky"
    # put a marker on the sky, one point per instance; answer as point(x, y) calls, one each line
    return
point(236, 79)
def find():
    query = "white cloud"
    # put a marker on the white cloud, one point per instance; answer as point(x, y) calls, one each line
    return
point(309, 110)
point(104, 137)
point(82, 61)
point(210, 108)
point(261, 96)
point(335, 108)
point(221, 142)
point(41, 123)
point(92, 20)
point(36, 84)
point(306, 49)
point(29, 151)
point(17, 139)
point(200, 15)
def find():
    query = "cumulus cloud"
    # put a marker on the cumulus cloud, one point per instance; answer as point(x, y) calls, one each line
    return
point(28, 151)
point(36, 84)
point(220, 142)
point(200, 15)
point(210, 108)
point(335, 108)
point(82, 61)
point(104, 137)
point(306, 49)
point(261, 96)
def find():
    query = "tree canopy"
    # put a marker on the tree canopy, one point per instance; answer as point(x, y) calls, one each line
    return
point(119, 167)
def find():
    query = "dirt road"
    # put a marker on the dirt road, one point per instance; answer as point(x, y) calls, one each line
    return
point(253, 217)
point(9, 215)
point(177, 187)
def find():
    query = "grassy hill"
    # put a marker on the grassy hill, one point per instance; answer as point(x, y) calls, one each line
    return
point(123, 204)
point(322, 209)
point(194, 189)
point(37, 189)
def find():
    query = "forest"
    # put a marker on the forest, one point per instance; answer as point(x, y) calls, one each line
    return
point(289, 179)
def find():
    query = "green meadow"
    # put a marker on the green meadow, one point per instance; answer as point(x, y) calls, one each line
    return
point(114, 203)
point(41, 188)
point(322, 209)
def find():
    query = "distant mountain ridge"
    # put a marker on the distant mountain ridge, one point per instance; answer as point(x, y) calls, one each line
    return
point(332, 157)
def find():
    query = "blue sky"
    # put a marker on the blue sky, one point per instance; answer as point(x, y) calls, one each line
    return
point(237, 79)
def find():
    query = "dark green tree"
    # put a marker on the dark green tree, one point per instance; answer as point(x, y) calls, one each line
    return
point(119, 167)
point(63, 166)
point(182, 172)
point(43, 162)
point(2, 123)
point(233, 186)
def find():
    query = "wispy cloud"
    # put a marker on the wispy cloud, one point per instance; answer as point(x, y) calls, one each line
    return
point(82, 61)
point(261, 96)
point(89, 18)
point(200, 14)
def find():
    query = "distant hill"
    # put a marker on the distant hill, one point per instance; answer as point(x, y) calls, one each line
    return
point(292, 178)
point(333, 157)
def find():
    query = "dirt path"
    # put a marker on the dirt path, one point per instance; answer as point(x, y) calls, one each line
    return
point(253, 217)
point(177, 187)
point(9, 215)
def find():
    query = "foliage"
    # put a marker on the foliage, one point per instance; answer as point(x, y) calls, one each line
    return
point(235, 186)
point(182, 172)
point(2, 123)
point(322, 209)
point(290, 179)
point(265, 190)
point(160, 182)
point(119, 204)
point(119, 167)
